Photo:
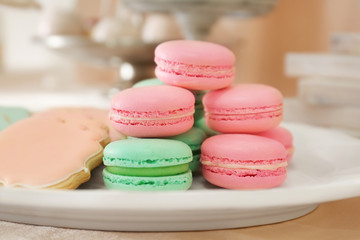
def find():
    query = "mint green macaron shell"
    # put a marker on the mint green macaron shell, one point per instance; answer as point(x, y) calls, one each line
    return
point(132, 183)
point(149, 172)
point(146, 153)
point(193, 138)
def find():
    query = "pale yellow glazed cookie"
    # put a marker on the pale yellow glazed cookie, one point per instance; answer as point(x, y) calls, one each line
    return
point(51, 151)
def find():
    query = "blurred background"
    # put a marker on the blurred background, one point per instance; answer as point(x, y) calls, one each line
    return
point(309, 50)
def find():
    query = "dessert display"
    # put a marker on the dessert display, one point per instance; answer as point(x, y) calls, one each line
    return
point(167, 121)
point(147, 165)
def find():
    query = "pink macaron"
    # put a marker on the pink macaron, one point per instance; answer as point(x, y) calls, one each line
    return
point(194, 65)
point(283, 136)
point(243, 108)
point(243, 161)
point(154, 111)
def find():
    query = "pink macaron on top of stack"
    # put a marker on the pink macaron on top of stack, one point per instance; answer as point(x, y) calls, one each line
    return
point(243, 99)
point(194, 65)
point(236, 148)
point(195, 52)
point(153, 99)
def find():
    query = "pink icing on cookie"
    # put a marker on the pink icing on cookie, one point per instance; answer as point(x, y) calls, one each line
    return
point(97, 114)
point(43, 151)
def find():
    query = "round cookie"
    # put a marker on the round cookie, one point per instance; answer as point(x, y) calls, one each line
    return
point(243, 161)
point(154, 111)
point(194, 65)
point(147, 165)
point(243, 108)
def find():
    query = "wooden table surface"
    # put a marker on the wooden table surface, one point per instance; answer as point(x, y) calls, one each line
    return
point(334, 220)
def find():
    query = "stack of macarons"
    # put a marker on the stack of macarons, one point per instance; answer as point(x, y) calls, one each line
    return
point(250, 152)
point(168, 118)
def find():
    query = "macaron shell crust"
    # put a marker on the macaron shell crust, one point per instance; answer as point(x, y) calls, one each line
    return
point(242, 161)
point(243, 147)
point(157, 99)
point(244, 108)
point(230, 181)
point(195, 52)
point(130, 183)
point(194, 65)
point(146, 153)
point(155, 111)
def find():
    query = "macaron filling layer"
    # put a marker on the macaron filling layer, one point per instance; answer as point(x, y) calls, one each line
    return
point(259, 168)
point(267, 164)
point(245, 172)
point(192, 70)
point(248, 113)
point(181, 181)
point(152, 118)
point(128, 162)
point(149, 172)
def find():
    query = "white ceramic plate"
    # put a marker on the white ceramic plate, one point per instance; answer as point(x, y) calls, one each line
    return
point(325, 167)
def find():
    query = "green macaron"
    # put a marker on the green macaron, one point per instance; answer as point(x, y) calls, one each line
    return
point(193, 138)
point(199, 109)
point(147, 165)
point(10, 115)
point(148, 82)
point(200, 123)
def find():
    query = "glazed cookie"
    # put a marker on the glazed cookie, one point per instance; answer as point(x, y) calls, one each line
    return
point(97, 114)
point(57, 151)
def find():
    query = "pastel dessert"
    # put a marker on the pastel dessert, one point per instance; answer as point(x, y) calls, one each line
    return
point(154, 111)
point(243, 108)
point(100, 115)
point(193, 138)
point(51, 151)
point(194, 65)
point(243, 161)
point(283, 136)
point(200, 123)
point(148, 82)
point(10, 115)
point(147, 165)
